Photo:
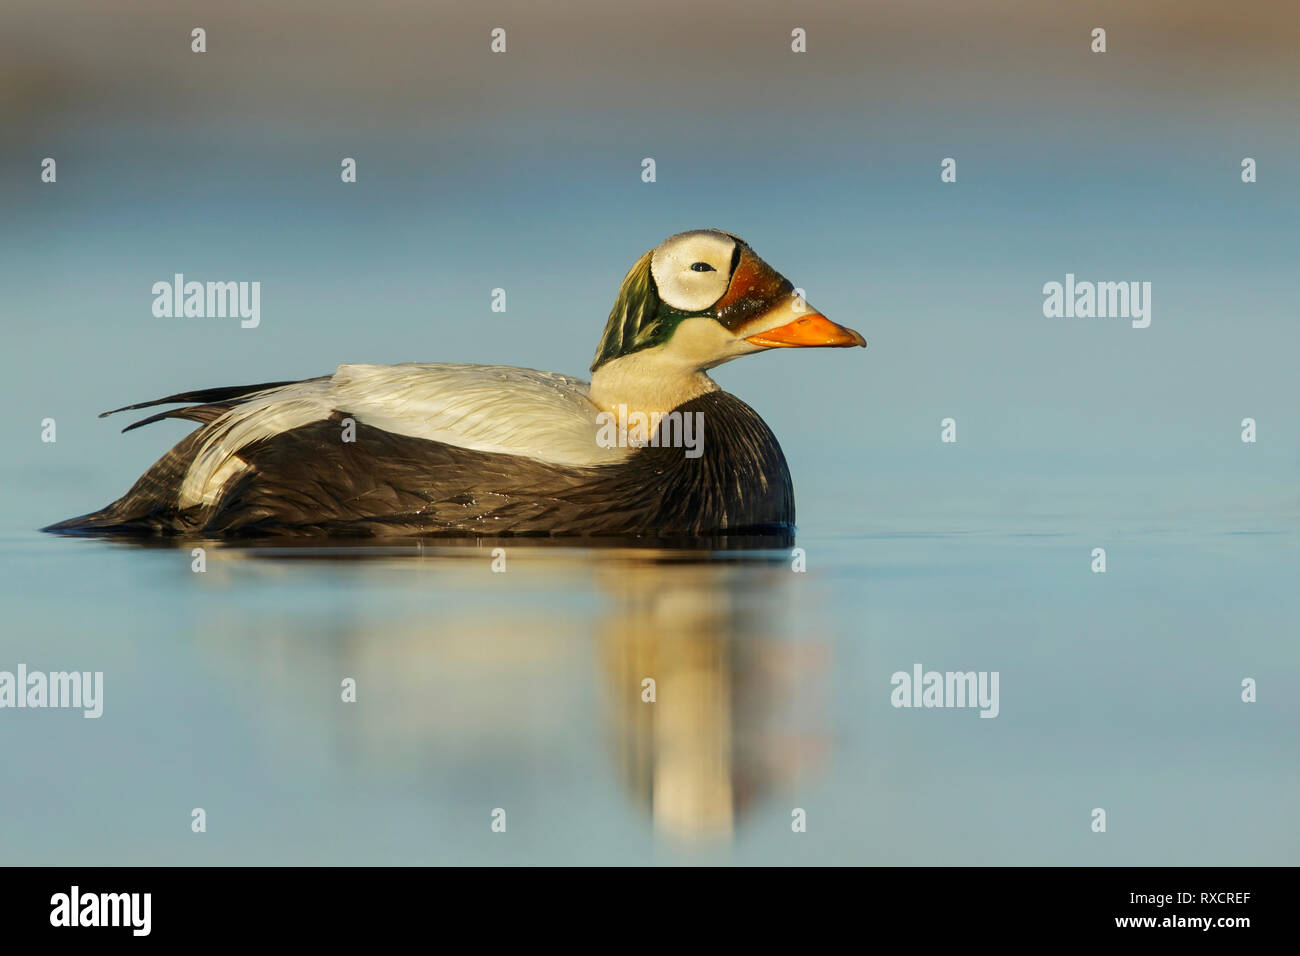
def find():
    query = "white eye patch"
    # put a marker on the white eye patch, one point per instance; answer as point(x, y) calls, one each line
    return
point(693, 269)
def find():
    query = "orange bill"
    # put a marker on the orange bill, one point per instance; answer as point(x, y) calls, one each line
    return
point(812, 330)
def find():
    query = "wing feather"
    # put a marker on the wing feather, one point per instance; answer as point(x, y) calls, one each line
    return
point(543, 416)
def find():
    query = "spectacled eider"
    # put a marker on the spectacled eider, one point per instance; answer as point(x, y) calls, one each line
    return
point(418, 449)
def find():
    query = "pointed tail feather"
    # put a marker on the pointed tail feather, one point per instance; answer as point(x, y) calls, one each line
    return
point(206, 395)
point(152, 505)
point(204, 414)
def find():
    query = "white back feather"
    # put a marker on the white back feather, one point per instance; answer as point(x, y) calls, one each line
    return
point(491, 408)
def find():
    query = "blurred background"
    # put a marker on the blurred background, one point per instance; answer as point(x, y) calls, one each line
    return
point(522, 171)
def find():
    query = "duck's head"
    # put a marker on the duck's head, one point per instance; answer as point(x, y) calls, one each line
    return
point(699, 299)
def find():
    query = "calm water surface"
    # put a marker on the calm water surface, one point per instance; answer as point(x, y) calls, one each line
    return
point(523, 691)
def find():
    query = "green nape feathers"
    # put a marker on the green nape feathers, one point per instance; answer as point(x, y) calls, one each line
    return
point(639, 319)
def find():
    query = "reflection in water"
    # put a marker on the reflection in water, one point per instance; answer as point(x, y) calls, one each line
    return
point(723, 671)
point(499, 670)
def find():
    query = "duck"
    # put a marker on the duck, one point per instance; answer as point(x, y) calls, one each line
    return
point(429, 449)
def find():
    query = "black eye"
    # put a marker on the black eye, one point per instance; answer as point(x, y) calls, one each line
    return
point(703, 267)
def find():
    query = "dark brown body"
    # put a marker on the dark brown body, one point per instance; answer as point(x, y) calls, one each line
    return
point(307, 481)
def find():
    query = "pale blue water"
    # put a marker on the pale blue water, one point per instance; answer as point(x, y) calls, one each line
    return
point(521, 691)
